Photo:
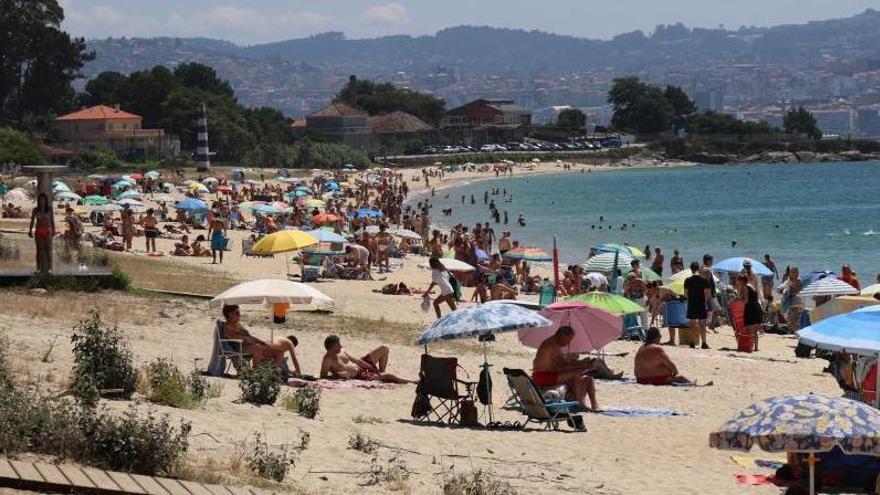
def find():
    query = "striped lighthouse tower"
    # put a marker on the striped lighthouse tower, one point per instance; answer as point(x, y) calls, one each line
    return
point(203, 155)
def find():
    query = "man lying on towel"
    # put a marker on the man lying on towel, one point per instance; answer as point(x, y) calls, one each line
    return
point(653, 366)
point(551, 368)
point(371, 367)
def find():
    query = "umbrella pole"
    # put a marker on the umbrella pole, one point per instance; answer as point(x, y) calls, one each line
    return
point(555, 266)
point(812, 462)
point(486, 366)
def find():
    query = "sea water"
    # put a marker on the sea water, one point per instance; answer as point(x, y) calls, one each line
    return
point(814, 216)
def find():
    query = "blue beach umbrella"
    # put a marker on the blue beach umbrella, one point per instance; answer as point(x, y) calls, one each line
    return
point(857, 332)
point(736, 265)
point(805, 424)
point(368, 213)
point(331, 186)
point(266, 209)
point(483, 321)
point(328, 236)
point(191, 204)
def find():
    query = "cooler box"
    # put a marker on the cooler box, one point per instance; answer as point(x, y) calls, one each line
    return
point(310, 274)
point(675, 314)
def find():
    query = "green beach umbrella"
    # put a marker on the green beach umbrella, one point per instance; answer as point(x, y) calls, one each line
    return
point(612, 303)
point(647, 274)
point(95, 200)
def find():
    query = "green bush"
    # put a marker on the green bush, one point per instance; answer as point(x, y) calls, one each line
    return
point(102, 360)
point(98, 159)
point(144, 444)
point(270, 465)
point(163, 383)
point(479, 482)
point(362, 443)
point(117, 280)
point(305, 401)
point(6, 382)
point(9, 250)
point(260, 385)
point(18, 148)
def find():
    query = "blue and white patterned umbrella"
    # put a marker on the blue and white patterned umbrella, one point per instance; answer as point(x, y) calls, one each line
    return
point(328, 236)
point(482, 320)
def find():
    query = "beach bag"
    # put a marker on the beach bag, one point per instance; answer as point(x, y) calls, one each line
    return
point(468, 413)
point(421, 406)
point(484, 387)
point(456, 287)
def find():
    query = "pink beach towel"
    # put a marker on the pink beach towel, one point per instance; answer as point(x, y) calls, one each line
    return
point(339, 384)
point(761, 479)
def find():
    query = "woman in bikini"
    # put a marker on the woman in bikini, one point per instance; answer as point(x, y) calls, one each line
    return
point(44, 220)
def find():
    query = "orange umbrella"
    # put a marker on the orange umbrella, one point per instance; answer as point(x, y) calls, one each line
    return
point(324, 218)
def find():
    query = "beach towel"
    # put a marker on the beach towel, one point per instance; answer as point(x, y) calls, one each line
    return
point(761, 479)
point(338, 384)
point(640, 412)
point(750, 462)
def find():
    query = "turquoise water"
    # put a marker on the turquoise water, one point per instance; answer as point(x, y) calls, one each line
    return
point(815, 216)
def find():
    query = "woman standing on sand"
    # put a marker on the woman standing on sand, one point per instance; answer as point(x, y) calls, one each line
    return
point(44, 220)
point(792, 303)
point(753, 315)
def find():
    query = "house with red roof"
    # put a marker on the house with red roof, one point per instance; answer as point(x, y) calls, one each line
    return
point(109, 127)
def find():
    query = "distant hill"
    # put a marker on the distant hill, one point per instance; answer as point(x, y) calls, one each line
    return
point(258, 72)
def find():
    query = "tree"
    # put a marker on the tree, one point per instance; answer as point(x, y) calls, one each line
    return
point(381, 98)
point(38, 61)
point(709, 122)
point(639, 107)
point(571, 118)
point(107, 88)
point(16, 147)
point(682, 105)
point(196, 75)
point(800, 121)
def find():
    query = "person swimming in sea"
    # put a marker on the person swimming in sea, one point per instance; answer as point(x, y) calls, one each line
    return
point(521, 221)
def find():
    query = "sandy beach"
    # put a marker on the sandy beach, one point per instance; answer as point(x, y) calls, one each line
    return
point(618, 455)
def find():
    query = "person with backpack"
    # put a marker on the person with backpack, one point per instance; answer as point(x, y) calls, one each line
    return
point(441, 277)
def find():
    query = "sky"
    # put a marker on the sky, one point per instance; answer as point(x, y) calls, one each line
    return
point(259, 21)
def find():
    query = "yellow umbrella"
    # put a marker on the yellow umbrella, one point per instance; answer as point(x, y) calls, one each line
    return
point(198, 187)
point(315, 203)
point(676, 286)
point(284, 241)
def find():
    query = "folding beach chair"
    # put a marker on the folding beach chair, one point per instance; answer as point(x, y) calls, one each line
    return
point(632, 329)
point(226, 352)
point(534, 406)
point(438, 395)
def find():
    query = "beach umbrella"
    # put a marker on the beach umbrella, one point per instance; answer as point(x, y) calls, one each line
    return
point(122, 184)
point(96, 177)
point(528, 254)
point(612, 303)
point(593, 328)
point(271, 291)
point(210, 180)
point(828, 286)
point(60, 187)
point(348, 166)
point(648, 275)
point(191, 204)
point(536, 160)
point(405, 234)
point(484, 322)
point(153, 174)
point(198, 188)
point(368, 213)
point(284, 241)
point(68, 196)
point(323, 249)
point(130, 202)
point(328, 236)
point(163, 197)
point(676, 286)
point(871, 290)
point(807, 424)
point(856, 332)
point(266, 209)
point(224, 189)
point(168, 186)
point(596, 279)
point(370, 229)
point(16, 194)
point(129, 195)
point(684, 274)
point(95, 200)
point(108, 208)
point(331, 186)
point(619, 248)
point(453, 265)
point(136, 176)
point(606, 262)
point(735, 265)
point(314, 203)
point(322, 218)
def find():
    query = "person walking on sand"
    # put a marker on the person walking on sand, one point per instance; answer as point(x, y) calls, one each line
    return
point(151, 230)
point(217, 234)
point(698, 293)
point(441, 277)
point(127, 227)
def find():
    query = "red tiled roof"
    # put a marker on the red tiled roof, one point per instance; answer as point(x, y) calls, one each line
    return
point(298, 122)
point(100, 112)
point(338, 109)
point(398, 122)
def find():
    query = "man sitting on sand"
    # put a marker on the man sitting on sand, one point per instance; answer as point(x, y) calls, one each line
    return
point(551, 368)
point(371, 367)
point(652, 364)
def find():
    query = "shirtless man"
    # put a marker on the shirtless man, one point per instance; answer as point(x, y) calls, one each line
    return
point(551, 368)
point(127, 227)
point(371, 367)
point(652, 365)
point(217, 234)
point(151, 230)
point(257, 348)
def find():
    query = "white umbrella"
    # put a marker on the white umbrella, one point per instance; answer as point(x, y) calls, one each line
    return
point(163, 197)
point(130, 195)
point(406, 234)
point(110, 207)
point(272, 291)
point(16, 194)
point(96, 177)
point(604, 262)
point(130, 202)
point(453, 265)
point(210, 180)
point(68, 195)
point(829, 286)
point(871, 290)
